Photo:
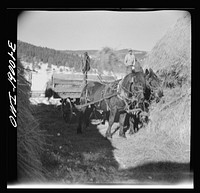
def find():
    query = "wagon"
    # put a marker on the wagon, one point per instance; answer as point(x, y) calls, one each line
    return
point(70, 86)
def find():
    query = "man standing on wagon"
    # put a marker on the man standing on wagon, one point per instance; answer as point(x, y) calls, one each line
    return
point(85, 66)
point(129, 61)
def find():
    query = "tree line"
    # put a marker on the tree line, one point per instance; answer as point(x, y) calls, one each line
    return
point(35, 54)
point(106, 59)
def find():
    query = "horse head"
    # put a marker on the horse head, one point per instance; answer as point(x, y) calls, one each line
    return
point(134, 85)
point(154, 83)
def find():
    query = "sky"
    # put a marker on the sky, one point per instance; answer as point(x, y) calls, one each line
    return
point(86, 30)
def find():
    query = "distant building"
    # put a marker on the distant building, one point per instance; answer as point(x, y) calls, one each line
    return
point(61, 68)
point(54, 67)
point(67, 69)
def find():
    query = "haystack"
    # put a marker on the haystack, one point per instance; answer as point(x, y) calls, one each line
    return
point(30, 139)
point(108, 60)
point(171, 118)
point(174, 47)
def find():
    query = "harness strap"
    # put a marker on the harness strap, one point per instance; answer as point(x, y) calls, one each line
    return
point(103, 97)
point(126, 100)
point(134, 91)
point(90, 103)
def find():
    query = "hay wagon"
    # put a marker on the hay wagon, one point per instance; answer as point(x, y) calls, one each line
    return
point(69, 87)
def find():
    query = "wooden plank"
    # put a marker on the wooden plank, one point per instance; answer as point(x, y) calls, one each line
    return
point(61, 81)
point(67, 88)
point(79, 77)
point(71, 95)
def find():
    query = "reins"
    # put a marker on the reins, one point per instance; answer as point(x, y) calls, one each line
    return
point(116, 87)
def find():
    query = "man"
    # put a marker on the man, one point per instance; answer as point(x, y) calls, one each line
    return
point(129, 61)
point(85, 65)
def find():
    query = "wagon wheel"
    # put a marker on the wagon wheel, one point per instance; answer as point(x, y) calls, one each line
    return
point(66, 110)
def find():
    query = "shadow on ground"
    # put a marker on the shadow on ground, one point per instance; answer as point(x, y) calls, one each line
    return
point(72, 158)
point(88, 158)
point(161, 173)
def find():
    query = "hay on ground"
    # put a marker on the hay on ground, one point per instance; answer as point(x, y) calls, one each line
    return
point(30, 139)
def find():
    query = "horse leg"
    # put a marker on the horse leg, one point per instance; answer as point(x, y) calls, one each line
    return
point(137, 121)
point(87, 116)
point(80, 120)
point(121, 124)
point(104, 120)
point(135, 125)
point(126, 122)
point(111, 121)
point(106, 115)
point(87, 122)
point(131, 123)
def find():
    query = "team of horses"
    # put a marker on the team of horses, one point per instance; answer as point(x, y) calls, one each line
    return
point(128, 99)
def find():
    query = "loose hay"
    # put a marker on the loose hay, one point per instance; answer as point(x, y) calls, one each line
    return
point(167, 135)
point(173, 118)
point(30, 139)
point(171, 57)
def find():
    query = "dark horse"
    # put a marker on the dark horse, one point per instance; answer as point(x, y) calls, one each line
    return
point(155, 84)
point(153, 92)
point(114, 97)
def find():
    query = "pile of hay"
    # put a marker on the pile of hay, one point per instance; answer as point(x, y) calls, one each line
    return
point(171, 55)
point(108, 60)
point(30, 139)
point(171, 117)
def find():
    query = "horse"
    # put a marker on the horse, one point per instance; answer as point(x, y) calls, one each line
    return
point(114, 97)
point(155, 84)
point(153, 92)
point(140, 117)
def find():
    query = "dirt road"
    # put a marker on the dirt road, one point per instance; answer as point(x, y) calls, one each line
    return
point(143, 158)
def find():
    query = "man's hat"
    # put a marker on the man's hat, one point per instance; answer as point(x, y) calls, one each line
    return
point(130, 50)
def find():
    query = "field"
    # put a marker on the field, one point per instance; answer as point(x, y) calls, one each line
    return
point(159, 153)
point(90, 158)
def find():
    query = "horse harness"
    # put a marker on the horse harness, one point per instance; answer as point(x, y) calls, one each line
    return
point(117, 89)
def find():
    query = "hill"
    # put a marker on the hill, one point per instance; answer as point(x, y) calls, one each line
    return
point(69, 58)
point(35, 54)
point(121, 53)
point(80, 52)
